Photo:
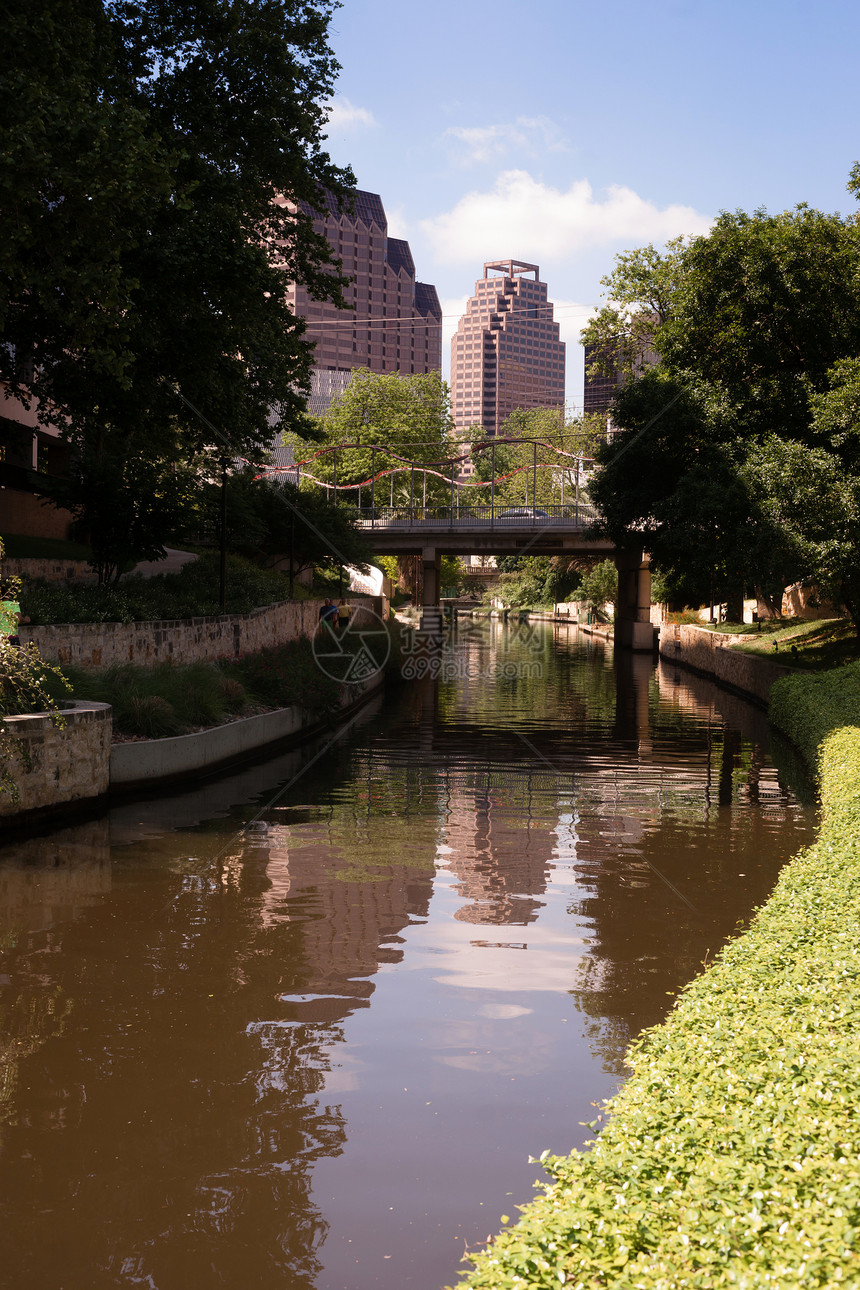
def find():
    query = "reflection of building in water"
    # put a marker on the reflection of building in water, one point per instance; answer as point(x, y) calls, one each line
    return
point(501, 844)
point(347, 927)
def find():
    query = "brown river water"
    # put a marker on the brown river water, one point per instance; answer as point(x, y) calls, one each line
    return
point(304, 1026)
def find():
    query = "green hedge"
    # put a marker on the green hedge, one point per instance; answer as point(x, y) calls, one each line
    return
point(809, 708)
point(732, 1155)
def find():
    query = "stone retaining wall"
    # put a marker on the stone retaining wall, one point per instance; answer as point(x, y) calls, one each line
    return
point(183, 640)
point(711, 654)
point(66, 765)
point(52, 570)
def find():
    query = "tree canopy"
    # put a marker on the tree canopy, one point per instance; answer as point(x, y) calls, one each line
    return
point(404, 417)
point(733, 458)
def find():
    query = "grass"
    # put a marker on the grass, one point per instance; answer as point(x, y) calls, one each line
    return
point(731, 1158)
point(811, 645)
point(169, 699)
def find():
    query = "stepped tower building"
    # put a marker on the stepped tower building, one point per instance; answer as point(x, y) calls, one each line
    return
point(506, 353)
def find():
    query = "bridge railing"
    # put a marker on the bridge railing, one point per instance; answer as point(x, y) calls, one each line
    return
point(460, 516)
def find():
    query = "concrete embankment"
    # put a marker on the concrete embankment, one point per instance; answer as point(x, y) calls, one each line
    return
point(66, 770)
point(711, 654)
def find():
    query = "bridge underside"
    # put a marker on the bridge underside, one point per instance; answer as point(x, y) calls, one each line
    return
point(633, 628)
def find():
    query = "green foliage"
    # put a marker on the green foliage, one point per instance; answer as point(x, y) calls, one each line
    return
point(409, 416)
point(451, 569)
point(641, 291)
point(267, 516)
point(808, 708)
point(562, 448)
point(533, 580)
point(599, 585)
point(27, 684)
point(730, 1157)
point(169, 699)
point(147, 144)
point(192, 592)
point(737, 461)
point(125, 502)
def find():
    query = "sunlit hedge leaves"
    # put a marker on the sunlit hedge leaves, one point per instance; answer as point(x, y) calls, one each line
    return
point(732, 1155)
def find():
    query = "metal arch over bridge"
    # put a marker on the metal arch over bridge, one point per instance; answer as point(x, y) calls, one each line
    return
point(479, 528)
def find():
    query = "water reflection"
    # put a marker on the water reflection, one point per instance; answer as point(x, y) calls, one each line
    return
point(309, 1037)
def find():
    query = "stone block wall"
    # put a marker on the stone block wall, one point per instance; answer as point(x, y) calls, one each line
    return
point(711, 654)
point(51, 570)
point(66, 765)
point(181, 640)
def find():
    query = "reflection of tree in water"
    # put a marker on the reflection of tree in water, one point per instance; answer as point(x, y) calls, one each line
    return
point(660, 904)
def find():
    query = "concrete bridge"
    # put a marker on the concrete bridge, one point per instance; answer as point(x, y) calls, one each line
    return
point(554, 530)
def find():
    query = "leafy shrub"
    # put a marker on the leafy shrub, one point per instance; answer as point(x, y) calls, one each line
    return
point(809, 708)
point(171, 699)
point(731, 1156)
point(192, 592)
point(285, 674)
point(27, 684)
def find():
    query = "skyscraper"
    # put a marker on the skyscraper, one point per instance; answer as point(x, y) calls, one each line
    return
point(395, 324)
point(506, 353)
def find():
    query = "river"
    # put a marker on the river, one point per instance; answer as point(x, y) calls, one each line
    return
point(304, 1026)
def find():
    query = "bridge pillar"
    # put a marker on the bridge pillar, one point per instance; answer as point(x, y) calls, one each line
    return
point(431, 614)
point(633, 628)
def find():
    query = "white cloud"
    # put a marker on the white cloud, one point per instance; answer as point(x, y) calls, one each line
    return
point(344, 116)
point(453, 308)
point(492, 142)
point(522, 217)
point(397, 223)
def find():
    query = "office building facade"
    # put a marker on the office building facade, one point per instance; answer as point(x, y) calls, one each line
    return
point(506, 353)
point(395, 324)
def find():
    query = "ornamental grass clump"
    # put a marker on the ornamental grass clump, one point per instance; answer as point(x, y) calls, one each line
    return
point(732, 1155)
point(169, 698)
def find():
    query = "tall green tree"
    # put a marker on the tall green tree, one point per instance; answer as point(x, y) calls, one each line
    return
point(721, 447)
point(404, 417)
point(150, 217)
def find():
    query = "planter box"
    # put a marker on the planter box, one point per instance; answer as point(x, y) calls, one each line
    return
point(67, 766)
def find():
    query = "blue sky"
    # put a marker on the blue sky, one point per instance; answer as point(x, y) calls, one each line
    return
point(563, 133)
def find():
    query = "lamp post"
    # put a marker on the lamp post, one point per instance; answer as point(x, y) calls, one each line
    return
point(224, 462)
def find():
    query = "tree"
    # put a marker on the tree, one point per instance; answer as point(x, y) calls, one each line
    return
point(407, 417)
point(599, 586)
point(641, 294)
point(563, 448)
point(126, 503)
point(151, 218)
point(764, 306)
point(717, 446)
point(273, 518)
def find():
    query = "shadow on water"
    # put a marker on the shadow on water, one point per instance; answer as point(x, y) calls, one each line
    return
point(304, 1029)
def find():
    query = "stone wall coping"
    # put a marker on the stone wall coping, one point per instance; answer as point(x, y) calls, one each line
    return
point(710, 654)
point(25, 723)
